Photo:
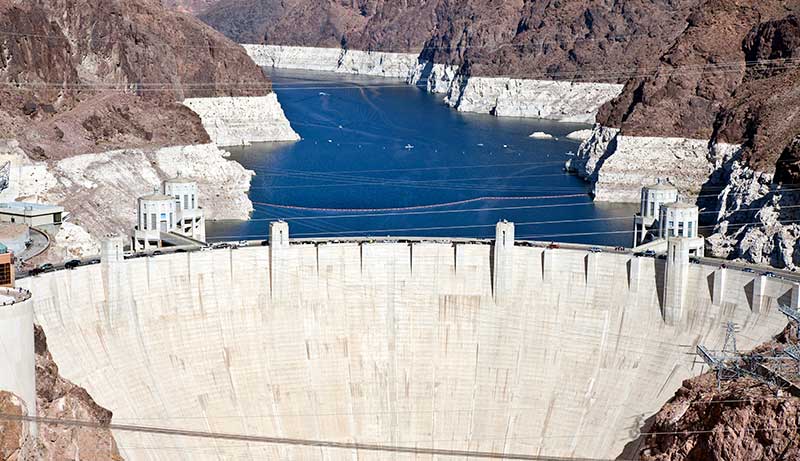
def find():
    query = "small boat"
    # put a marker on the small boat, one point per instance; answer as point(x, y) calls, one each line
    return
point(409, 147)
point(571, 154)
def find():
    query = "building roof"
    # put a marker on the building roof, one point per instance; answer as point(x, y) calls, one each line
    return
point(681, 205)
point(29, 209)
point(181, 179)
point(661, 186)
point(157, 197)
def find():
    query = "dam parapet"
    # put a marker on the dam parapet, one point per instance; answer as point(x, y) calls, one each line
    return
point(481, 344)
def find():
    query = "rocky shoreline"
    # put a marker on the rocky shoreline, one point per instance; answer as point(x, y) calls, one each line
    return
point(99, 190)
point(748, 216)
point(504, 97)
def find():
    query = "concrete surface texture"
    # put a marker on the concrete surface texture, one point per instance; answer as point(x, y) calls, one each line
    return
point(18, 373)
point(400, 344)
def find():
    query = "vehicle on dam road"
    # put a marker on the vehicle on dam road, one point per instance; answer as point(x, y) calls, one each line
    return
point(72, 264)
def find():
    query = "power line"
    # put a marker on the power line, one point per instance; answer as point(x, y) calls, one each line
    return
point(420, 207)
point(284, 440)
point(381, 232)
point(722, 68)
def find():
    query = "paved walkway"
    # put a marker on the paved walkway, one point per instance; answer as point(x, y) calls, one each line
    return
point(39, 244)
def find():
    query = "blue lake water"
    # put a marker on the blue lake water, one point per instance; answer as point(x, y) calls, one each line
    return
point(378, 157)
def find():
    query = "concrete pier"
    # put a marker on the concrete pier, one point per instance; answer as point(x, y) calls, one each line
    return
point(112, 258)
point(633, 274)
point(17, 356)
point(676, 279)
point(759, 286)
point(503, 267)
point(795, 303)
point(547, 265)
point(718, 295)
point(412, 343)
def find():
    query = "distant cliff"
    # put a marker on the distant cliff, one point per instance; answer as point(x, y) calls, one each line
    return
point(80, 76)
point(521, 38)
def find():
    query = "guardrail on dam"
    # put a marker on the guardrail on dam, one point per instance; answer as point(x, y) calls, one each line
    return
point(497, 347)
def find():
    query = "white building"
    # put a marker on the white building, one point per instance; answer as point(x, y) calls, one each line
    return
point(661, 217)
point(653, 196)
point(48, 217)
point(175, 211)
point(191, 220)
point(680, 219)
point(156, 214)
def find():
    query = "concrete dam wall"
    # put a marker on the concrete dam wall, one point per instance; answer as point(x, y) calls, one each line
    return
point(469, 345)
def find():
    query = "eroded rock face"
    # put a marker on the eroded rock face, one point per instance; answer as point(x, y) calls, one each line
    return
point(755, 220)
point(61, 399)
point(94, 76)
point(15, 441)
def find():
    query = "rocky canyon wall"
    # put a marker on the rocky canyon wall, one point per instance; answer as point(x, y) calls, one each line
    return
point(514, 97)
point(239, 121)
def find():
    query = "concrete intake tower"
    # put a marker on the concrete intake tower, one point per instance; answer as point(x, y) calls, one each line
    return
point(499, 346)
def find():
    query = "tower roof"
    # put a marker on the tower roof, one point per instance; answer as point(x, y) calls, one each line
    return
point(157, 197)
point(680, 205)
point(180, 179)
point(661, 186)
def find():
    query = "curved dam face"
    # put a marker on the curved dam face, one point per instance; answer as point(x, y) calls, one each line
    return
point(534, 351)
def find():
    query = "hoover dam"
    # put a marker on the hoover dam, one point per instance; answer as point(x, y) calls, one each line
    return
point(417, 346)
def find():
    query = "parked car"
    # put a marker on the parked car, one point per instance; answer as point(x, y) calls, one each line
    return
point(748, 270)
point(650, 253)
point(35, 271)
point(72, 264)
point(157, 253)
point(769, 274)
point(243, 243)
point(553, 246)
point(46, 267)
point(205, 248)
point(264, 243)
point(94, 261)
point(595, 250)
point(219, 245)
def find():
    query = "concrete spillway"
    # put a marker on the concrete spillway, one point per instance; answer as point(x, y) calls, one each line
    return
point(448, 345)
